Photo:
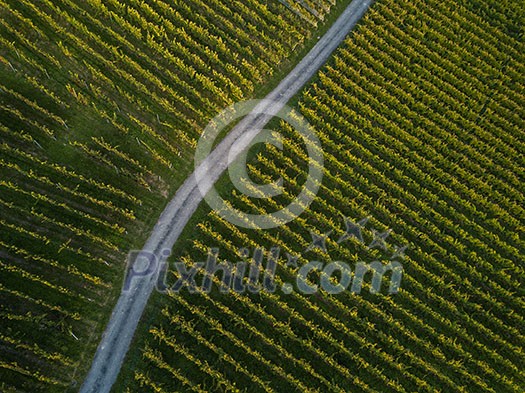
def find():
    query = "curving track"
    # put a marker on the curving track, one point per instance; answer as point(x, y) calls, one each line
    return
point(119, 332)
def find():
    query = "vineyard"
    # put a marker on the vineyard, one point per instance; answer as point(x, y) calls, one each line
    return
point(420, 114)
point(421, 117)
point(101, 103)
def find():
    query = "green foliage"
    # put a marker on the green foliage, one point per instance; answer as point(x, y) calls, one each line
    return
point(421, 117)
point(101, 103)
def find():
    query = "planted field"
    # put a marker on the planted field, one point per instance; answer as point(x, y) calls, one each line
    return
point(101, 103)
point(421, 117)
point(420, 114)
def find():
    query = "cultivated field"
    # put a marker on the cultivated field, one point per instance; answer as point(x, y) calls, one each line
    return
point(420, 114)
point(101, 105)
point(421, 118)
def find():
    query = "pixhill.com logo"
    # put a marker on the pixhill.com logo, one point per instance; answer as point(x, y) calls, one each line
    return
point(256, 270)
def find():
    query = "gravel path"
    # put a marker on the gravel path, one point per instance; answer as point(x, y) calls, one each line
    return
point(119, 332)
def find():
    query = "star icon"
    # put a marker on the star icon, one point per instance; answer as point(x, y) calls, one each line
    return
point(318, 241)
point(399, 252)
point(292, 260)
point(379, 239)
point(353, 230)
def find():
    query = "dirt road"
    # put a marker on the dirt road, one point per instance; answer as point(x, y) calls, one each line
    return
point(119, 332)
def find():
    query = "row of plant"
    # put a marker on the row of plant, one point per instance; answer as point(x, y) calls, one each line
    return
point(421, 145)
point(101, 103)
